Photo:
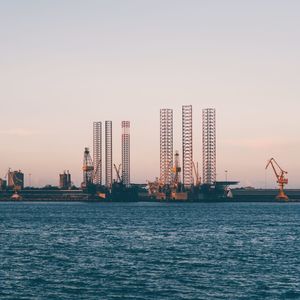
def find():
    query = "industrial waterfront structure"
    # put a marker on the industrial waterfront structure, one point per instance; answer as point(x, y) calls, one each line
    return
point(15, 180)
point(280, 177)
point(209, 145)
point(65, 182)
point(176, 170)
point(97, 152)
point(166, 146)
point(108, 154)
point(170, 187)
point(175, 183)
point(88, 169)
point(187, 145)
point(126, 153)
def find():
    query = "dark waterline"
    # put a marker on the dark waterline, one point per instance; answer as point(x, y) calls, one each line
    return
point(149, 251)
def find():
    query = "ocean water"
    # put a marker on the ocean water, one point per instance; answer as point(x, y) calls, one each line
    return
point(149, 251)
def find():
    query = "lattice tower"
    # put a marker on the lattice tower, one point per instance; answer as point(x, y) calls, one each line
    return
point(187, 145)
point(166, 145)
point(126, 152)
point(108, 154)
point(209, 145)
point(97, 152)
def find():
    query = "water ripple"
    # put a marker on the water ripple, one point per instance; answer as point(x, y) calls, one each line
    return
point(149, 251)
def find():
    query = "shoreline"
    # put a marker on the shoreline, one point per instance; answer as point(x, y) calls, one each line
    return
point(150, 201)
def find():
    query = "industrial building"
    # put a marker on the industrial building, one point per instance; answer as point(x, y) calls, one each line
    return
point(97, 152)
point(126, 153)
point(187, 145)
point(65, 182)
point(166, 146)
point(108, 154)
point(15, 180)
point(209, 145)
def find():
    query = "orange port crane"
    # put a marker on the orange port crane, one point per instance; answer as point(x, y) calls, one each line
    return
point(281, 180)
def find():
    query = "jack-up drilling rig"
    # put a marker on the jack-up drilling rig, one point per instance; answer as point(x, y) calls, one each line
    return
point(281, 180)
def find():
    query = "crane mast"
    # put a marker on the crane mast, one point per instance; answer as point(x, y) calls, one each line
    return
point(197, 179)
point(88, 169)
point(281, 180)
point(176, 170)
point(118, 171)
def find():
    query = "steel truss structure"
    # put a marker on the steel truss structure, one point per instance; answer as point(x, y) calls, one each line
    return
point(126, 152)
point(209, 145)
point(97, 152)
point(187, 145)
point(166, 146)
point(108, 154)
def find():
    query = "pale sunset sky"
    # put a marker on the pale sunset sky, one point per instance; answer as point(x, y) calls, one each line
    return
point(67, 63)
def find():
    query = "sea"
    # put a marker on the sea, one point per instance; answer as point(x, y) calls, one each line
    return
point(149, 250)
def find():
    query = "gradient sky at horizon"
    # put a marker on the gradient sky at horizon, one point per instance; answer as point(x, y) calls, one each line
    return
point(65, 64)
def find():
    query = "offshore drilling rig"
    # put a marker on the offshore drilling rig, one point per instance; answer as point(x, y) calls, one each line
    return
point(170, 186)
point(114, 190)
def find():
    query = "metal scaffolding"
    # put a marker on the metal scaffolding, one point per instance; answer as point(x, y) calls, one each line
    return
point(108, 154)
point(166, 145)
point(187, 145)
point(209, 145)
point(126, 152)
point(97, 152)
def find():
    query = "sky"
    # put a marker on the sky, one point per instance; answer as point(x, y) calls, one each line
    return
point(67, 63)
